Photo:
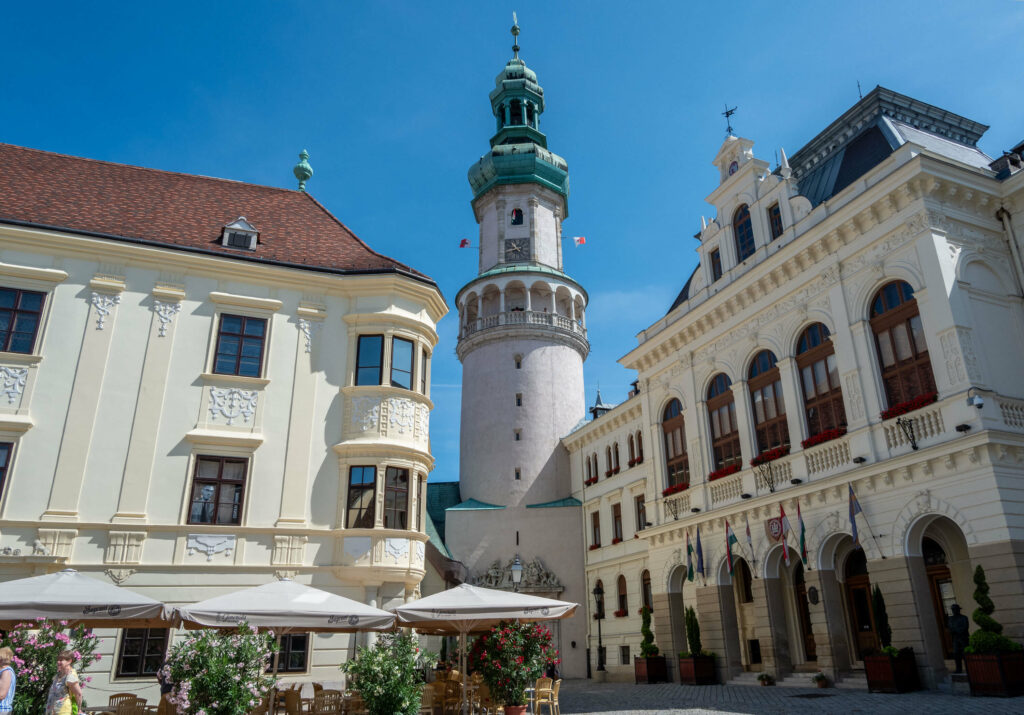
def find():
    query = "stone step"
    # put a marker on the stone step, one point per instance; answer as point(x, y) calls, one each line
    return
point(797, 680)
point(855, 680)
point(745, 679)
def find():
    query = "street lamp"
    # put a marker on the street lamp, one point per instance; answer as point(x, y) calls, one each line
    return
point(599, 600)
point(517, 572)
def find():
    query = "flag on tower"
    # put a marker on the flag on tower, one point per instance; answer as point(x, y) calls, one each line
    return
point(579, 240)
point(730, 539)
point(700, 554)
point(785, 530)
point(854, 511)
point(803, 533)
point(464, 243)
point(689, 558)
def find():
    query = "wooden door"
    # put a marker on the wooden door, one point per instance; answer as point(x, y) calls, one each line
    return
point(940, 583)
point(804, 611)
point(858, 593)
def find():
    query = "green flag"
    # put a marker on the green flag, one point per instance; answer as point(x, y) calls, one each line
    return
point(689, 558)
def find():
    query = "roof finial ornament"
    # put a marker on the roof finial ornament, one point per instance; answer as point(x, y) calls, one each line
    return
point(515, 35)
point(303, 171)
point(784, 169)
point(728, 118)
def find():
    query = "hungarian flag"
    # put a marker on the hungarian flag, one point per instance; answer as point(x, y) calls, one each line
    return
point(464, 243)
point(579, 240)
point(689, 558)
point(854, 511)
point(700, 554)
point(803, 533)
point(785, 530)
point(730, 539)
point(750, 542)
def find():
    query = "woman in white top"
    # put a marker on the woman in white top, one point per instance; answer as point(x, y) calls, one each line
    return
point(7, 681)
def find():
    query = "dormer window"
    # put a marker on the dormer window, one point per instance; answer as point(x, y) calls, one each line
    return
point(240, 234)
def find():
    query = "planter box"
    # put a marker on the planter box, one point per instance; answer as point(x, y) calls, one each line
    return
point(650, 670)
point(1001, 675)
point(888, 674)
point(698, 670)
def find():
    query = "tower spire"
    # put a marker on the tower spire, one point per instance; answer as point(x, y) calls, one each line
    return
point(515, 35)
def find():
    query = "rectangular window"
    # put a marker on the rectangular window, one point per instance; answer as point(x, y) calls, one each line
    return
point(143, 651)
point(294, 654)
point(595, 528)
point(518, 434)
point(716, 265)
point(775, 220)
point(617, 522)
point(424, 359)
point(217, 491)
point(401, 363)
point(369, 359)
point(623, 655)
point(6, 450)
point(240, 346)
point(237, 239)
point(641, 513)
point(519, 474)
point(20, 314)
point(519, 399)
point(396, 498)
point(362, 497)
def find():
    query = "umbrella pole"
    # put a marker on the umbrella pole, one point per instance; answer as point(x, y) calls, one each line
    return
point(277, 659)
point(464, 661)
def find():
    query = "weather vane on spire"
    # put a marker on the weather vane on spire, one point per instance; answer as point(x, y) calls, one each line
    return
point(728, 120)
point(515, 35)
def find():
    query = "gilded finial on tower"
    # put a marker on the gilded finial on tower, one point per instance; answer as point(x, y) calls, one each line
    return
point(303, 171)
point(515, 35)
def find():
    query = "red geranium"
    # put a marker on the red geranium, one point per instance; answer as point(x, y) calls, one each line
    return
point(910, 405)
point(723, 472)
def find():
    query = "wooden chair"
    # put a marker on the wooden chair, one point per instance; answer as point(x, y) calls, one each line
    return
point(327, 702)
point(167, 708)
point(452, 697)
point(117, 698)
point(427, 701)
point(548, 697)
point(131, 707)
point(354, 704)
point(317, 687)
point(292, 702)
point(485, 702)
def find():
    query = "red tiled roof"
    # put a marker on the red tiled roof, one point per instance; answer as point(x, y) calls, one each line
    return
point(178, 210)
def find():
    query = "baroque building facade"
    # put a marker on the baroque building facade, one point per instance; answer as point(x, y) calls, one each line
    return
point(853, 327)
point(206, 385)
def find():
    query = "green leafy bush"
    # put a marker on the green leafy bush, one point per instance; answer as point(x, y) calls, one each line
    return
point(988, 639)
point(692, 631)
point(881, 618)
point(386, 674)
point(647, 647)
point(512, 657)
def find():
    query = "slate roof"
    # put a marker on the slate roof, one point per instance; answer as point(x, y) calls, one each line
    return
point(440, 496)
point(474, 505)
point(568, 501)
point(179, 211)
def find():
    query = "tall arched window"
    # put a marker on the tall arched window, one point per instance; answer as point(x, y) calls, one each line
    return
point(899, 339)
point(725, 436)
point(639, 447)
point(823, 394)
point(766, 398)
point(645, 590)
point(631, 448)
point(623, 599)
point(593, 471)
point(586, 470)
point(608, 461)
point(677, 466)
point(615, 458)
point(743, 230)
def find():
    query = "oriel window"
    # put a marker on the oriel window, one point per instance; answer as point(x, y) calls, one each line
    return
point(396, 498)
point(362, 497)
point(401, 363)
point(369, 359)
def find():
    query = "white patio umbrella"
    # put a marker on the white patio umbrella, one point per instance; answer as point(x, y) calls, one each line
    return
point(471, 609)
point(73, 596)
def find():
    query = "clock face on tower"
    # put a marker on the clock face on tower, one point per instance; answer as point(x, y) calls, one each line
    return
point(517, 249)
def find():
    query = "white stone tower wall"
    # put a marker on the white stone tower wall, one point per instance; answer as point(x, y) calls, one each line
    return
point(542, 217)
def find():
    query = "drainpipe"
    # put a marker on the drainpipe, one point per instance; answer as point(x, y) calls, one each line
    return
point(1018, 266)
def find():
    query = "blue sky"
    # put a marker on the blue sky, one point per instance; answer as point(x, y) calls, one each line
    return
point(390, 99)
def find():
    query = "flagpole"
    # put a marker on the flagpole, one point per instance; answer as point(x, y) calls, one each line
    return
point(872, 532)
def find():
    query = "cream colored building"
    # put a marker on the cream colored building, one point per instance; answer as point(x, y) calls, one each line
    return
point(209, 384)
point(880, 265)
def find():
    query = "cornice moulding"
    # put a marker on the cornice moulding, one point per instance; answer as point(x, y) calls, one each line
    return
point(48, 275)
point(244, 301)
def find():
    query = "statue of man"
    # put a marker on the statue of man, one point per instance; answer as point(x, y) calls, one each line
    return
point(958, 629)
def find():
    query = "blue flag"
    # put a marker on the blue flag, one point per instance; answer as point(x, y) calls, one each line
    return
point(854, 511)
point(700, 554)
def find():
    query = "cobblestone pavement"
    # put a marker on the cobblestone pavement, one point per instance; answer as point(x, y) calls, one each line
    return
point(585, 696)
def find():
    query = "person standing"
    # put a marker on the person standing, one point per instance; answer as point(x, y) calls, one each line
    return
point(65, 696)
point(958, 627)
point(8, 681)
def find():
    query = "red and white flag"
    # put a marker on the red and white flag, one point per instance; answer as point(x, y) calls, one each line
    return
point(785, 530)
point(464, 243)
point(579, 240)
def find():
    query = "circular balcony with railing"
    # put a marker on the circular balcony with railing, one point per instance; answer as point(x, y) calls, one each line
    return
point(523, 322)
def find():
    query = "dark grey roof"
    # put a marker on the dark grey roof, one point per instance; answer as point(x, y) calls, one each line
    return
point(849, 162)
point(684, 294)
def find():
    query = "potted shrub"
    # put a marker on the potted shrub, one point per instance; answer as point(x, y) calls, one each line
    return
point(766, 679)
point(892, 670)
point(649, 666)
point(696, 666)
point(385, 688)
point(820, 679)
point(512, 657)
point(995, 664)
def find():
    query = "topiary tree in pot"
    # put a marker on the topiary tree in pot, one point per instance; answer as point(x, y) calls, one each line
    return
point(891, 670)
point(995, 664)
point(696, 666)
point(649, 666)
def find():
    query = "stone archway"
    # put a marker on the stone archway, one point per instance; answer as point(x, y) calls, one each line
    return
point(786, 652)
point(737, 601)
point(836, 649)
point(677, 627)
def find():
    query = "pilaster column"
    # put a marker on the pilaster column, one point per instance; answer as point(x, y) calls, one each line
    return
point(554, 304)
point(529, 302)
point(868, 378)
point(558, 235)
point(744, 421)
point(104, 297)
point(372, 594)
point(138, 467)
point(294, 499)
point(479, 318)
point(534, 205)
point(508, 113)
point(501, 305)
point(792, 397)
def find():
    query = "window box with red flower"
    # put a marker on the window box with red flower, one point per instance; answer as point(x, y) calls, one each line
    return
point(617, 540)
point(723, 472)
point(770, 456)
point(910, 405)
point(589, 482)
point(621, 613)
point(675, 489)
point(631, 462)
point(615, 471)
point(595, 546)
point(822, 437)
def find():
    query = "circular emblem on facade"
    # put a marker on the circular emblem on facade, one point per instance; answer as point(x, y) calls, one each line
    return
point(812, 595)
point(775, 528)
point(113, 610)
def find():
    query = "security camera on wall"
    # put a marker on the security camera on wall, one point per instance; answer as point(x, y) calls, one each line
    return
point(975, 401)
